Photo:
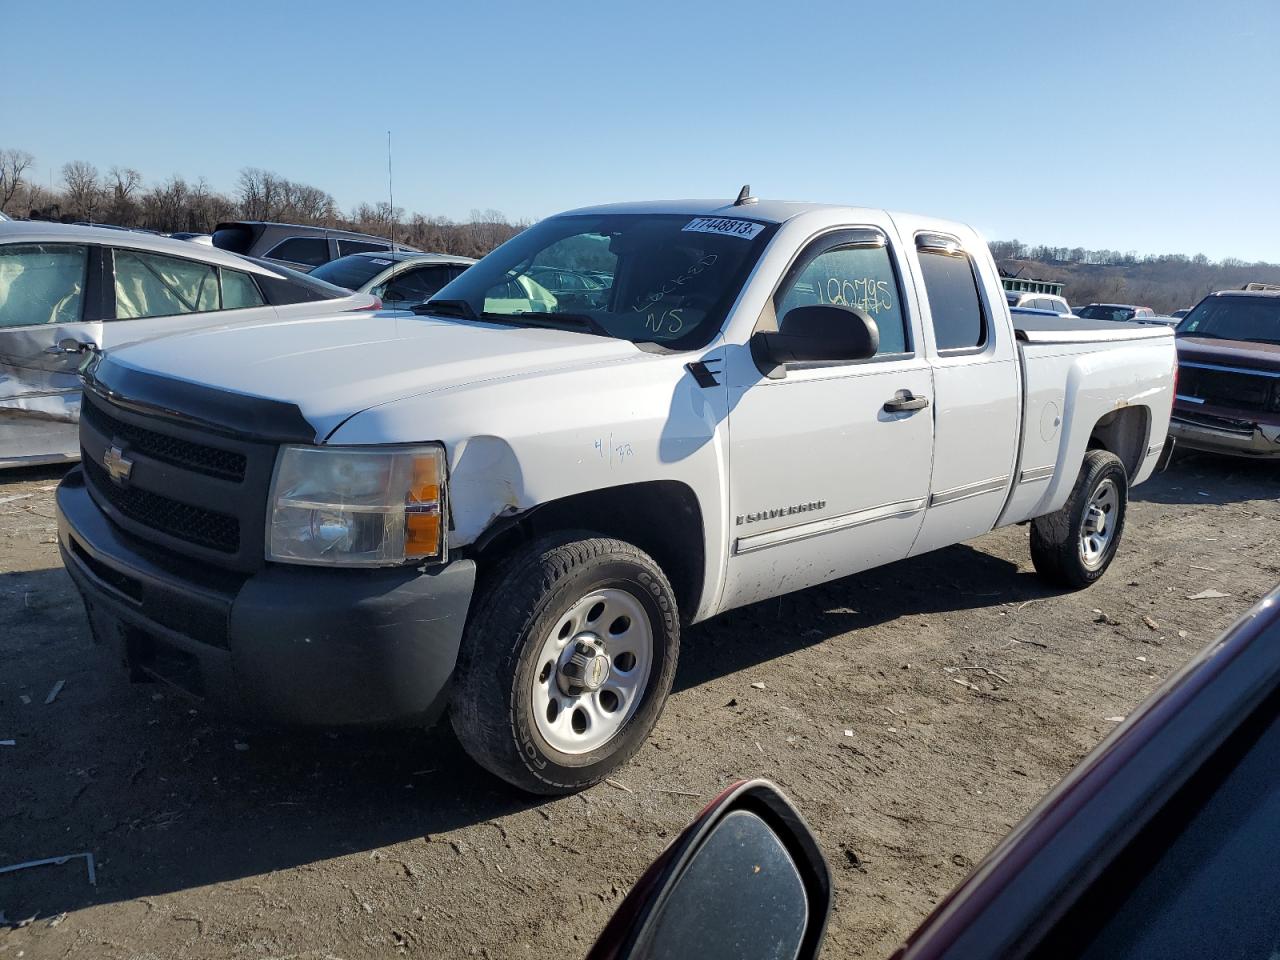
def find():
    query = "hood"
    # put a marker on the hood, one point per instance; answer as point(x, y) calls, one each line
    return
point(331, 368)
point(1230, 353)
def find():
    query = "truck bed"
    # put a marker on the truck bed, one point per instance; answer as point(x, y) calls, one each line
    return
point(1083, 378)
point(1045, 328)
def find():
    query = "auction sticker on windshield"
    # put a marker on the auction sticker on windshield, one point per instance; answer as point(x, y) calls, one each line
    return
point(731, 228)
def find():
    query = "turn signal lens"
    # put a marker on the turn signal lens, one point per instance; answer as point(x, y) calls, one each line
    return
point(422, 535)
point(423, 509)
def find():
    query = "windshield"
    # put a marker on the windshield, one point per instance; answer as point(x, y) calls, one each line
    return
point(352, 272)
point(641, 277)
point(1096, 311)
point(1255, 319)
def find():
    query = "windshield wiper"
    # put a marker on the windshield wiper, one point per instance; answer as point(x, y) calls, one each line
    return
point(446, 308)
point(580, 321)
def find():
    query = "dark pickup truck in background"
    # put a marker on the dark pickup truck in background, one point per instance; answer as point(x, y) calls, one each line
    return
point(1228, 392)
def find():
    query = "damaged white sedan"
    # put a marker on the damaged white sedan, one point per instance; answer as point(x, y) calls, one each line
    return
point(66, 291)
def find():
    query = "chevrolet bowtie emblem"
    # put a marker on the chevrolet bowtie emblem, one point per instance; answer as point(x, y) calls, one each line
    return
point(118, 466)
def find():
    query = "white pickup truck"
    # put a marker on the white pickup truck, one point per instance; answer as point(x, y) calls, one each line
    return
point(509, 505)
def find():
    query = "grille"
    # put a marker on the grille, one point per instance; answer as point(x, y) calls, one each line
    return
point(211, 461)
point(207, 528)
point(1239, 391)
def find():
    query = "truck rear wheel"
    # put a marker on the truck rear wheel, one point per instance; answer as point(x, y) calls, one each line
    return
point(1074, 546)
point(567, 662)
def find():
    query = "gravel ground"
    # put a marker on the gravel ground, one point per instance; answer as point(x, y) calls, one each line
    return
point(913, 713)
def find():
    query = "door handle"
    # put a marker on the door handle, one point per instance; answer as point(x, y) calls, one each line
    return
point(904, 402)
point(69, 346)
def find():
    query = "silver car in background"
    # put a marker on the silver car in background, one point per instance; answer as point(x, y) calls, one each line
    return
point(67, 290)
point(398, 278)
point(1039, 301)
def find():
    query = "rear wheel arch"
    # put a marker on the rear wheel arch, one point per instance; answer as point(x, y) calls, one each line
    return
point(1123, 432)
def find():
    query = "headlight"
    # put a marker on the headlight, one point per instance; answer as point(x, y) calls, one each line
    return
point(357, 506)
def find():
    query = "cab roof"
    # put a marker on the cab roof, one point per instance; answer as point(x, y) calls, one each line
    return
point(762, 211)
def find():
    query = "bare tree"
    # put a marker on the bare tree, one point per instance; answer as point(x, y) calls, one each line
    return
point(84, 191)
point(124, 181)
point(123, 184)
point(13, 165)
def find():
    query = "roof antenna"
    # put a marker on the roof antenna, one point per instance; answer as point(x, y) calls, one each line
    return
point(744, 196)
point(391, 193)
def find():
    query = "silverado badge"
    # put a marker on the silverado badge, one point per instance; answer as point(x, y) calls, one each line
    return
point(781, 511)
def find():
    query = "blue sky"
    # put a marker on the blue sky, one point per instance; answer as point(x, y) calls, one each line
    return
point(1128, 125)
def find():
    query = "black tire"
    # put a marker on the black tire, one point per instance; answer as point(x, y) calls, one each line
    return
point(1056, 544)
point(514, 610)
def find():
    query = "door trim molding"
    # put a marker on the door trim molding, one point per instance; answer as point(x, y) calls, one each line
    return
point(1036, 473)
point(816, 528)
point(992, 485)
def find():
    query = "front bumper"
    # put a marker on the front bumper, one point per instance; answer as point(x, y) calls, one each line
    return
point(297, 645)
point(1214, 434)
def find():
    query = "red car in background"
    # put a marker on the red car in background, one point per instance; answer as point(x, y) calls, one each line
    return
point(1228, 398)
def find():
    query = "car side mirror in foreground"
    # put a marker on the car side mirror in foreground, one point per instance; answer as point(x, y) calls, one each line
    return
point(744, 881)
point(815, 333)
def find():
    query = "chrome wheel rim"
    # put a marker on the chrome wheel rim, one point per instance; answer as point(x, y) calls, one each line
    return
point(1098, 529)
point(592, 671)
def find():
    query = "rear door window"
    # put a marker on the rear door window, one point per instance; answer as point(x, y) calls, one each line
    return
point(959, 322)
point(41, 283)
point(239, 291)
point(150, 285)
point(311, 251)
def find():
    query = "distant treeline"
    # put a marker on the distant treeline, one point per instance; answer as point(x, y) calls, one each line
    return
point(1165, 283)
point(120, 197)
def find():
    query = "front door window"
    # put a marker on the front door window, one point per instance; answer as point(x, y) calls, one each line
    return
point(41, 283)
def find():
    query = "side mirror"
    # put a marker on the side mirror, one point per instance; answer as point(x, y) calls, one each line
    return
point(744, 880)
point(817, 332)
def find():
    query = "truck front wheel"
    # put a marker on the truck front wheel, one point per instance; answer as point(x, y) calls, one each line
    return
point(1074, 546)
point(567, 662)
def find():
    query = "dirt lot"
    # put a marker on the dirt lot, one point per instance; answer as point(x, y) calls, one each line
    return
point(969, 690)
